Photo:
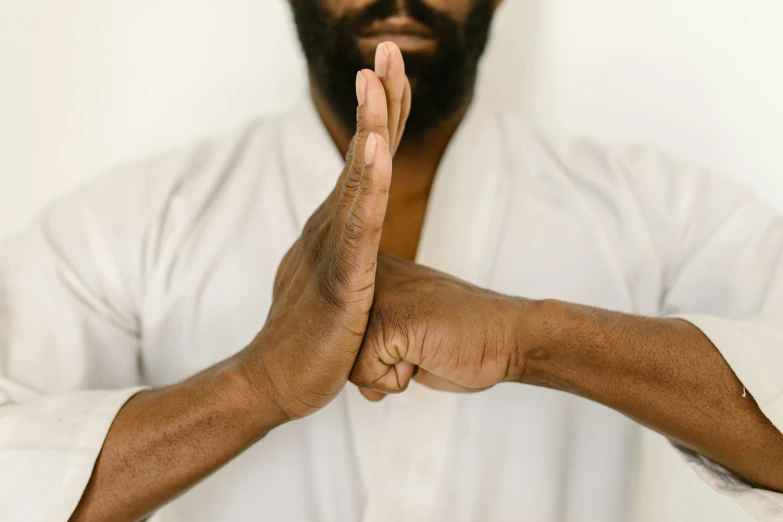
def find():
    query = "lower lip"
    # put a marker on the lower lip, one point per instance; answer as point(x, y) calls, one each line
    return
point(406, 42)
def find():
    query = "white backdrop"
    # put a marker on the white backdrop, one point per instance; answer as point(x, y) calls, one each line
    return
point(87, 83)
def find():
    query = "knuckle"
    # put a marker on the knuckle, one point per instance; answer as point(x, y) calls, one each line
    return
point(278, 289)
point(316, 248)
point(370, 120)
point(359, 373)
point(280, 281)
point(343, 266)
point(381, 129)
point(327, 290)
point(356, 230)
point(351, 148)
point(314, 223)
point(364, 119)
point(333, 282)
point(394, 93)
point(355, 170)
point(369, 187)
point(288, 258)
point(368, 370)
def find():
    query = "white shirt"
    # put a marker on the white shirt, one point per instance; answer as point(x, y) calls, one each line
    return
point(165, 267)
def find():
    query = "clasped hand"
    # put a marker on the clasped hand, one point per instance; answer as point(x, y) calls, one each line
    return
point(343, 312)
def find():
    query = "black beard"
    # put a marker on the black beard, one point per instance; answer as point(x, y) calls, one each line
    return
point(442, 81)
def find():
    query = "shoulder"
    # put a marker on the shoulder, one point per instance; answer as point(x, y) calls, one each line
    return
point(133, 194)
point(108, 230)
point(636, 190)
point(623, 170)
point(578, 157)
point(143, 185)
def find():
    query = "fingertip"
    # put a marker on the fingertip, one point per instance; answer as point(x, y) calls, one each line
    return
point(369, 81)
point(361, 88)
point(390, 69)
point(382, 59)
point(372, 114)
point(395, 55)
point(404, 371)
point(367, 74)
point(372, 395)
point(392, 47)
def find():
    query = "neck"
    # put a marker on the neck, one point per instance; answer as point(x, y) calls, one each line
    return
point(414, 168)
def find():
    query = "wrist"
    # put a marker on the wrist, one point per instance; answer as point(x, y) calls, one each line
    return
point(248, 392)
point(540, 326)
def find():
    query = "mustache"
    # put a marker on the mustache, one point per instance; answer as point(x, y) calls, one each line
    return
point(443, 80)
point(419, 11)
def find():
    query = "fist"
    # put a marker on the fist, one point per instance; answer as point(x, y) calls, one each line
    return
point(461, 337)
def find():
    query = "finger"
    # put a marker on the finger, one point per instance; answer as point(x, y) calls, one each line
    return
point(381, 365)
point(439, 383)
point(407, 97)
point(357, 249)
point(383, 378)
point(404, 371)
point(390, 69)
point(330, 204)
point(371, 118)
point(372, 395)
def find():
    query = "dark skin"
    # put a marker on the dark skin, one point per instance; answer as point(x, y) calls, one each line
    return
point(664, 373)
point(372, 318)
point(415, 166)
point(415, 163)
point(673, 380)
point(164, 441)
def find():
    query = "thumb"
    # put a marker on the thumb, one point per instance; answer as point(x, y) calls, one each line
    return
point(378, 371)
point(357, 248)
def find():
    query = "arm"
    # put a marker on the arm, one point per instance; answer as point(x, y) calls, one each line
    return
point(715, 253)
point(163, 441)
point(665, 373)
point(62, 319)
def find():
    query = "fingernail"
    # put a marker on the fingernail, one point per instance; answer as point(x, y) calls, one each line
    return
point(382, 58)
point(369, 149)
point(361, 87)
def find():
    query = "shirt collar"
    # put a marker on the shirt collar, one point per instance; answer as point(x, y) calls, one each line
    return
point(310, 159)
point(466, 182)
point(468, 200)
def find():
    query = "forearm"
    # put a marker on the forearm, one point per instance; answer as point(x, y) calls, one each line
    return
point(164, 441)
point(662, 372)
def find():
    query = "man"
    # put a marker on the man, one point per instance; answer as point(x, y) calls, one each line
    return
point(139, 375)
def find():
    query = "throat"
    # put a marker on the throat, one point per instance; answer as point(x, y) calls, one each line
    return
point(402, 227)
point(415, 166)
point(409, 194)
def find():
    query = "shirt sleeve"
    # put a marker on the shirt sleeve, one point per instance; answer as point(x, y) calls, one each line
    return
point(69, 358)
point(723, 272)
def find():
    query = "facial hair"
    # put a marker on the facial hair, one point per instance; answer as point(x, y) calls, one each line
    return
point(442, 81)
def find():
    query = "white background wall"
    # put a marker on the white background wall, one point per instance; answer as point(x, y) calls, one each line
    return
point(87, 83)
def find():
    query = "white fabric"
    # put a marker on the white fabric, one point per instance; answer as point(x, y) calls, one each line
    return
point(165, 267)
